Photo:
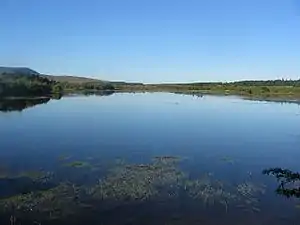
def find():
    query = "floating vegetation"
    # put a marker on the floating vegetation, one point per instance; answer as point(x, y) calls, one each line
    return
point(214, 192)
point(37, 176)
point(140, 181)
point(250, 189)
point(210, 191)
point(53, 203)
point(64, 157)
point(34, 175)
point(78, 164)
point(228, 160)
point(119, 184)
point(14, 183)
point(249, 192)
point(167, 159)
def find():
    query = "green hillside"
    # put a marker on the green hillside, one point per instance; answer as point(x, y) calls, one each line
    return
point(17, 70)
point(72, 79)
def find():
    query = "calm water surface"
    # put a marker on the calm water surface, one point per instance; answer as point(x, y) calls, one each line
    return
point(224, 139)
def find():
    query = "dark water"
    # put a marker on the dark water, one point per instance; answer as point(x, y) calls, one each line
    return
point(226, 140)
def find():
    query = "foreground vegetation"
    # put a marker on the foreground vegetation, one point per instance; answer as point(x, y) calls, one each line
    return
point(90, 191)
point(40, 197)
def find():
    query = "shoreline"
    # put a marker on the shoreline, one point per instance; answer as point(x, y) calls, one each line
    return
point(288, 98)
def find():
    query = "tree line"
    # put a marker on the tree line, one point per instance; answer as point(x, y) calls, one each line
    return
point(35, 85)
point(24, 85)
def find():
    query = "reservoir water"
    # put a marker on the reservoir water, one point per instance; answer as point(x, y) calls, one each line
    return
point(147, 158)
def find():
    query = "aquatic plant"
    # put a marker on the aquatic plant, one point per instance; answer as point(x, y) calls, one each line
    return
point(57, 202)
point(23, 182)
point(214, 192)
point(210, 191)
point(77, 164)
point(228, 160)
point(248, 195)
point(36, 176)
point(250, 189)
point(123, 183)
point(140, 181)
point(167, 159)
point(64, 157)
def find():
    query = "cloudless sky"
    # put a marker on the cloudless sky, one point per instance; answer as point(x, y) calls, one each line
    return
point(153, 40)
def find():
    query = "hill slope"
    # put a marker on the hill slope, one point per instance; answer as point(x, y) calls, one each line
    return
point(17, 70)
point(74, 80)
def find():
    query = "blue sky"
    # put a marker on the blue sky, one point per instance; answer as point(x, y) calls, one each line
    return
point(153, 40)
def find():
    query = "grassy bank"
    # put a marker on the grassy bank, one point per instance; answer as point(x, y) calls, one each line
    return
point(255, 90)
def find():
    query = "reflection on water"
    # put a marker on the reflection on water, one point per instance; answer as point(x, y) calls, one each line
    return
point(99, 93)
point(8, 105)
point(277, 100)
point(289, 181)
point(19, 104)
point(133, 159)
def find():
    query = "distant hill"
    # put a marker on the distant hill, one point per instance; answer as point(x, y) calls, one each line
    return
point(71, 83)
point(17, 70)
point(73, 79)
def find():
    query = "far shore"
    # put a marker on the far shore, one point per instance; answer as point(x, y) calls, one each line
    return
point(272, 98)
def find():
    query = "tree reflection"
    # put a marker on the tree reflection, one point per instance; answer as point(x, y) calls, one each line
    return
point(99, 93)
point(289, 181)
point(9, 105)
